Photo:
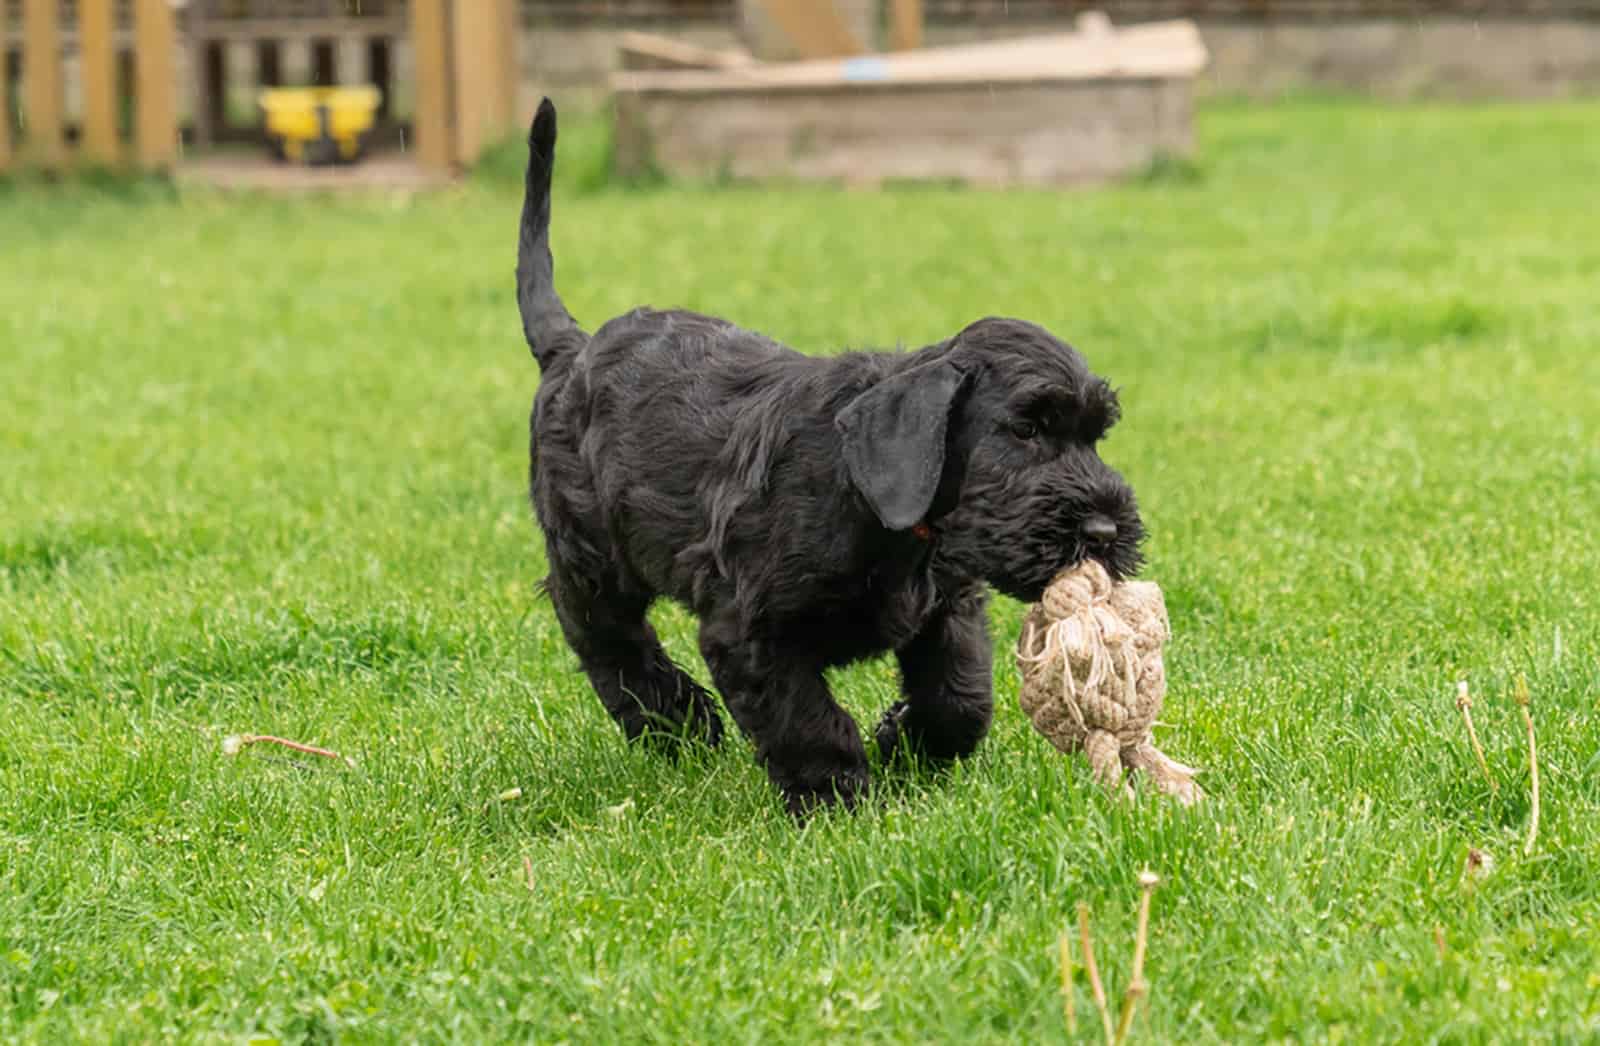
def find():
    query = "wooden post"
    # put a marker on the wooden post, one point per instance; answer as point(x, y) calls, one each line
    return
point(431, 113)
point(41, 69)
point(815, 28)
point(98, 61)
point(905, 25)
point(157, 118)
point(509, 35)
point(5, 112)
point(475, 61)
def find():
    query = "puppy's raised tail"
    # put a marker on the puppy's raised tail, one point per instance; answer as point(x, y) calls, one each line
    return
point(551, 331)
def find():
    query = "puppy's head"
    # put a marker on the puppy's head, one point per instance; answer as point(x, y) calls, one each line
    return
point(990, 440)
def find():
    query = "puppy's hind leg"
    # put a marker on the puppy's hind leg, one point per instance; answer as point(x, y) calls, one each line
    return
point(810, 747)
point(946, 673)
point(648, 695)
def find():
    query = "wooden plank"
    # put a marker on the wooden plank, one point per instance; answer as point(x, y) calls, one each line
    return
point(1158, 50)
point(815, 28)
point(154, 48)
point(651, 51)
point(431, 120)
point(98, 64)
point(302, 29)
point(5, 112)
point(1063, 132)
point(509, 72)
point(474, 65)
point(905, 25)
point(43, 82)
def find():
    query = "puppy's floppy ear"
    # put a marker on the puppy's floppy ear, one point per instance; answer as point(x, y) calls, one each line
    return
point(894, 439)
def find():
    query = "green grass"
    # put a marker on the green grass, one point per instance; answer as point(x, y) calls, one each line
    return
point(262, 469)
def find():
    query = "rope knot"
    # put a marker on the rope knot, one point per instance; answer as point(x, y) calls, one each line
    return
point(1093, 678)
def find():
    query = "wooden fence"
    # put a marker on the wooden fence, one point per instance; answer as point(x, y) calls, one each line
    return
point(345, 43)
point(463, 71)
point(126, 50)
point(127, 78)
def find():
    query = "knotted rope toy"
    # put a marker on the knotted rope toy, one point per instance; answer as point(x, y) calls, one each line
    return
point(1093, 678)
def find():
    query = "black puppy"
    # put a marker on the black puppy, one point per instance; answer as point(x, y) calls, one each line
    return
point(811, 512)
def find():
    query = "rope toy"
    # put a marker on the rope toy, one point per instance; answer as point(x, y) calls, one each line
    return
point(1093, 678)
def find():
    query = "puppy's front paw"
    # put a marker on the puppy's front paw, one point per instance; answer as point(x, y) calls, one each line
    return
point(950, 733)
point(844, 790)
point(889, 728)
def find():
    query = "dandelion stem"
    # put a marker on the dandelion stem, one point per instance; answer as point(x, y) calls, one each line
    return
point(1523, 699)
point(1137, 988)
point(1095, 986)
point(1068, 1005)
point(1464, 703)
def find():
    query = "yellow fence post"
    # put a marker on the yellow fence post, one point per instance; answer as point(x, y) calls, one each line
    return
point(98, 64)
point(905, 25)
point(156, 90)
point(430, 123)
point(474, 61)
point(41, 53)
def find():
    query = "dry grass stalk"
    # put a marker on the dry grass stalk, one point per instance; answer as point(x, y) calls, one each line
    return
point(1464, 703)
point(1137, 988)
point(1523, 699)
point(1096, 988)
point(236, 743)
point(1068, 1004)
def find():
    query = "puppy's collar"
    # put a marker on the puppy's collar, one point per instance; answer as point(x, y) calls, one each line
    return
point(922, 532)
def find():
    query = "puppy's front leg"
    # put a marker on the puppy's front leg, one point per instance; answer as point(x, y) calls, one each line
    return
point(946, 674)
point(811, 748)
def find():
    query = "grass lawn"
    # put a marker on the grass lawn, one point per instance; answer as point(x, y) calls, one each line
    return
point(262, 468)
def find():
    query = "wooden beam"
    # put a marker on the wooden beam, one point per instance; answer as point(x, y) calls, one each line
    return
point(1157, 50)
point(430, 125)
point(42, 81)
point(156, 121)
point(302, 28)
point(905, 25)
point(98, 62)
point(5, 114)
point(510, 72)
point(641, 51)
point(476, 93)
point(815, 28)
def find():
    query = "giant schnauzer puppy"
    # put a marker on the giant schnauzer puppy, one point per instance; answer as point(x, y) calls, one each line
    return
point(811, 512)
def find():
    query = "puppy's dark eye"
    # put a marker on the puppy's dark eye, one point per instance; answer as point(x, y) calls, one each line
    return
point(1024, 429)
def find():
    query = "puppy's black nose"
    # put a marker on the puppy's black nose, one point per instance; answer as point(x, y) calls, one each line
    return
point(1098, 530)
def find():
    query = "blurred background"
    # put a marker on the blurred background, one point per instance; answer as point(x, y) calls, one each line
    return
point(428, 84)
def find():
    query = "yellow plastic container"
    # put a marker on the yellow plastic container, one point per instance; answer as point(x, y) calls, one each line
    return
point(319, 125)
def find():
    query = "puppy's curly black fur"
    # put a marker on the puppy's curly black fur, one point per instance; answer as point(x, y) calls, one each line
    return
point(811, 512)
